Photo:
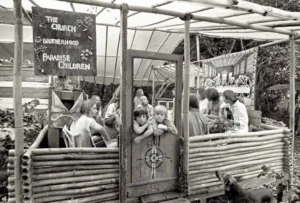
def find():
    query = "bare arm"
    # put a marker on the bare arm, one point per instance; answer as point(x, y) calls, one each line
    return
point(171, 128)
point(156, 130)
point(140, 129)
point(144, 135)
point(95, 127)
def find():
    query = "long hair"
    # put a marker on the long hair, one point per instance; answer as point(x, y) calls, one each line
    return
point(194, 102)
point(86, 107)
point(212, 94)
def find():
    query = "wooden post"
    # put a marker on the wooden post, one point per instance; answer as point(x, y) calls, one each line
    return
point(17, 92)
point(153, 86)
point(198, 59)
point(186, 95)
point(292, 99)
point(125, 130)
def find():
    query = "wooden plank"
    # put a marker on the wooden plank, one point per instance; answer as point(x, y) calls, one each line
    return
point(181, 200)
point(173, 194)
point(152, 188)
point(27, 92)
point(53, 133)
point(159, 197)
point(74, 50)
point(254, 117)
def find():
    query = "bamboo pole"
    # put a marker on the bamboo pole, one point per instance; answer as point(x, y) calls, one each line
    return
point(76, 191)
point(75, 185)
point(292, 101)
point(125, 129)
point(273, 43)
point(227, 135)
point(39, 138)
point(17, 92)
point(239, 157)
point(198, 154)
point(185, 110)
point(183, 14)
point(153, 85)
point(262, 162)
point(73, 174)
point(57, 157)
point(73, 150)
point(74, 162)
point(236, 140)
point(76, 198)
point(221, 156)
point(198, 59)
point(198, 165)
point(72, 179)
point(233, 146)
point(43, 170)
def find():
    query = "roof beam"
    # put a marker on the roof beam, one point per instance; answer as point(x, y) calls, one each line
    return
point(251, 8)
point(183, 14)
point(153, 6)
point(34, 3)
point(103, 9)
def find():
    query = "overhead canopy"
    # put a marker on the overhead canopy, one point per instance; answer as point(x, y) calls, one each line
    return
point(161, 33)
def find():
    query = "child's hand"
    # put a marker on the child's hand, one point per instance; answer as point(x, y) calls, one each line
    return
point(162, 127)
point(137, 140)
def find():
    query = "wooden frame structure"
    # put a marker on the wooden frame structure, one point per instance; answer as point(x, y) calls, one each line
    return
point(126, 82)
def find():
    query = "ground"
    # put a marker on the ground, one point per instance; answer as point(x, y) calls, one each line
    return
point(222, 199)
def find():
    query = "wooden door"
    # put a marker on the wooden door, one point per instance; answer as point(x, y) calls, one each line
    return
point(153, 163)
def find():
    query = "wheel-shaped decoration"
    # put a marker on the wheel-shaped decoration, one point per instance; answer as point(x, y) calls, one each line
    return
point(154, 157)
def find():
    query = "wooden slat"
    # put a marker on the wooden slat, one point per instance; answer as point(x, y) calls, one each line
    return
point(159, 197)
point(28, 92)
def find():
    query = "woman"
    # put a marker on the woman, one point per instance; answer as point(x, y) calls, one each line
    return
point(86, 124)
point(203, 102)
point(239, 111)
point(197, 121)
point(214, 102)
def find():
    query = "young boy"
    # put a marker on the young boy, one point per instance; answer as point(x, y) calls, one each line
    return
point(141, 125)
point(160, 122)
point(145, 104)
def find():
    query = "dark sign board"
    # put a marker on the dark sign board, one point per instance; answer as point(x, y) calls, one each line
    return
point(64, 43)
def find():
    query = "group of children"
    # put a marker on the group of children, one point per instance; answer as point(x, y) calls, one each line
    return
point(148, 120)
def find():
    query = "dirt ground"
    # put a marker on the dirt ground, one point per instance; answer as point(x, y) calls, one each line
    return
point(222, 199)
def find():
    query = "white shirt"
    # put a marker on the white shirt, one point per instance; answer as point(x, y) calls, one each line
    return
point(111, 109)
point(82, 127)
point(203, 106)
point(240, 115)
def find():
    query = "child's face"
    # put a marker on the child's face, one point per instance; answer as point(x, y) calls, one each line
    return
point(141, 119)
point(144, 101)
point(159, 117)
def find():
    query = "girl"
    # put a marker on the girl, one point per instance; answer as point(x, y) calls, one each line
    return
point(86, 124)
point(160, 122)
point(141, 125)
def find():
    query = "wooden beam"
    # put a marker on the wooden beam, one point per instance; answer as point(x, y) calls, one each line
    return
point(292, 100)
point(198, 59)
point(27, 15)
point(153, 86)
point(186, 95)
point(125, 122)
point(274, 42)
point(17, 92)
point(183, 14)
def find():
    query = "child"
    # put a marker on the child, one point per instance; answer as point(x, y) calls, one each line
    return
point(160, 122)
point(141, 125)
point(145, 104)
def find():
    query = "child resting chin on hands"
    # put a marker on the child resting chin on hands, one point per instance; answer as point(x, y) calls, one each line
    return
point(160, 122)
point(141, 125)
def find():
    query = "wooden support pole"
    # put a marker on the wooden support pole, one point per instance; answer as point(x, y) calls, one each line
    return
point(292, 99)
point(198, 59)
point(125, 122)
point(186, 94)
point(153, 86)
point(17, 92)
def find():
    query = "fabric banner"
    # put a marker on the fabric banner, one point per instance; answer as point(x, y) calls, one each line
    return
point(234, 72)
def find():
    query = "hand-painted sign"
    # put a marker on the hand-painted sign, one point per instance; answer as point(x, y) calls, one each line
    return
point(64, 43)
